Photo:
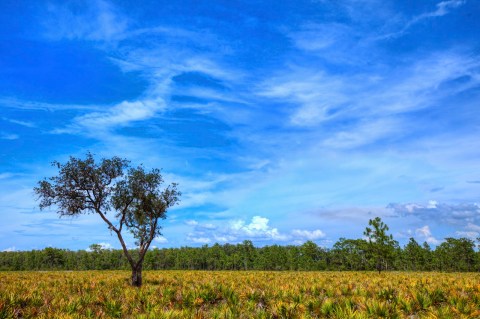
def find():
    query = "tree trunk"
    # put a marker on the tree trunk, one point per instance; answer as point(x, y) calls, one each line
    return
point(137, 276)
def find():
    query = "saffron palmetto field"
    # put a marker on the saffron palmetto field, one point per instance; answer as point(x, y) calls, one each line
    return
point(198, 294)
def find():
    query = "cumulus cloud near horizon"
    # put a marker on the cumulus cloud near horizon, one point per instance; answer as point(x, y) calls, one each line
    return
point(465, 217)
point(425, 234)
point(257, 230)
point(462, 213)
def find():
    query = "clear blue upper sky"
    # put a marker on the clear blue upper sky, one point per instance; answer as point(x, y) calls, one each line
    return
point(282, 121)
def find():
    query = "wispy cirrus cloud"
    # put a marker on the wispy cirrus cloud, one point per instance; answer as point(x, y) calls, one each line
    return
point(334, 40)
point(9, 136)
point(6, 175)
point(441, 9)
point(158, 64)
point(21, 123)
point(367, 108)
point(95, 20)
point(122, 114)
point(389, 23)
point(313, 37)
point(364, 133)
point(318, 94)
point(16, 103)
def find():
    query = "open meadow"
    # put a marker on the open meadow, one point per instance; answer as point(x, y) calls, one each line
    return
point(246, 294)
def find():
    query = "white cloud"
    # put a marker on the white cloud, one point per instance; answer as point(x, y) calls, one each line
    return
point(412, 207)
point(198, 240)
point(307, 234)
point(363, 133)
point(442, 8)
point(318, 37)
point(158, 64)
point(22, 123)
point(224, 190)
point(207, 226)
point(6, 175)
point(200, 226)
point(8, 136)
point(211, 67)
point(457, 214)
point(258, 228)
point(161, 240)
point(224, 238)
point(432, 204)
point(122, 114)
point(191, 222)
point(95, 20)
point(400, 26)
point(433, 241)
point(36, 105)
point(317, 93)
point(237, 230)
point(425, 233)
point(471, 231)
point(322, 97)
point(319, 97)
point(425, 83)
point(10, 249)
point(468, 234)
point(473, 227)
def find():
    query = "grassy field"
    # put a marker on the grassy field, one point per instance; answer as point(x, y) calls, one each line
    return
point(196, 294)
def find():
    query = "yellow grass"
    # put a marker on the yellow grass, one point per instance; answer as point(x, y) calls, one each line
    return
point(196, 294)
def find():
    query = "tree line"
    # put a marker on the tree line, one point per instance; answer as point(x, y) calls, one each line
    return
point(454, 254)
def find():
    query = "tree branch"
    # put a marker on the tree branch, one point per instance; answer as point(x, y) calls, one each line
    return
point(124, 214)
point(144, 249)
point(125, 250)
point(110, 225)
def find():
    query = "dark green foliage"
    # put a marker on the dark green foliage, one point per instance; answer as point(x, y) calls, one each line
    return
point(346, 254)
point(350, 254)
point(456, 254)
point(416, 257)
point(381, 246)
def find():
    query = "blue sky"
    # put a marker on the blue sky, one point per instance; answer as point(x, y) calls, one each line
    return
point(281, 121)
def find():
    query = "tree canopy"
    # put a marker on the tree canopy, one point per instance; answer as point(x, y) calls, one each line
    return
point(381, 246)
point(133, 196)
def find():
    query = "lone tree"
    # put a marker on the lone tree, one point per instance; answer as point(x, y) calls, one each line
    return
point(380, 245)
point(131, 197)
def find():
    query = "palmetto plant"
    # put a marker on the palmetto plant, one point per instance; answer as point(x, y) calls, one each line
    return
point(247, 294)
